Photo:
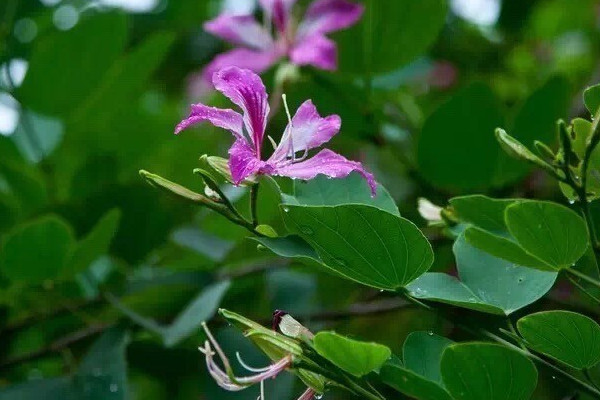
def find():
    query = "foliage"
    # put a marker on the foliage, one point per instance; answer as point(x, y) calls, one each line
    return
point(108, 287)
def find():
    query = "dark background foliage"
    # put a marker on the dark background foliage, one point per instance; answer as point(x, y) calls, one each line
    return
point(420, 90)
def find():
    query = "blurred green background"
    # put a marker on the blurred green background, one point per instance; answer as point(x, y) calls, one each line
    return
point(90, 92)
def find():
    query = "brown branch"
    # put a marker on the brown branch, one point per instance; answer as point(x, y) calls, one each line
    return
point(57, 346)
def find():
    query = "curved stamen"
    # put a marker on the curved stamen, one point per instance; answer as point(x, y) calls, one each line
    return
point(251, 369)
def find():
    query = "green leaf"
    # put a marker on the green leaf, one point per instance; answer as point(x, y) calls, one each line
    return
point(94, 245)
point(476, 371)
point(444, 288)
point(487, 284)
point(363, 243)
point(126, 78)
point(422, 353)
point(66, 67)
point(482, 211)
point(25, 183)
point(591, 98)
point(201, 309)
point(289, 247)
point(549, 231)
point(571, 338)
point(504, 248)
point(353, 356)
point(390, 35)
point(37, 135)
point(37, 251)
point(457, 148)
point(412, 384)
point(323, 191)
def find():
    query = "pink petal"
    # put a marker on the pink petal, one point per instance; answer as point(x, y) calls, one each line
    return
point(328, 163)
point(245, 88)
point(279, 11)
point(257, 61)
point(243, 161)
point(324, 16)
point(315, 50)
point(240, 30)
point(226, 119)
point(307, 131)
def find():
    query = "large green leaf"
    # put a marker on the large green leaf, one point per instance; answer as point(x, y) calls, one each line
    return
point(353, 356)
point(488, 283)
point(47, 389)
point(66, 66)
point(94, 245)
point(323, 191)
point(390, 35)
point(457, 148)
point(363, 243)
point(476, 371)
point(37, 251)
point(571, 338)
point(548, 231)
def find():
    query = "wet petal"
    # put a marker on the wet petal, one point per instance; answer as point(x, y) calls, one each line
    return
point(316, 50)
point(307, 131)
point(324, 16)
point(245, 88)
point(243, 161)
point(328, 163)
point(279, 11)
point(240, 30)
point(222, 118)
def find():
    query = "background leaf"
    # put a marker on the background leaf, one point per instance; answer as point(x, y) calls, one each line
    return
point(411, 27)
point(571, 338)
point(457, 149)
point(52, 240)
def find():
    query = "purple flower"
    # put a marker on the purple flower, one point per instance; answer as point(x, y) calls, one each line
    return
point(304, 43)
point(306, 130)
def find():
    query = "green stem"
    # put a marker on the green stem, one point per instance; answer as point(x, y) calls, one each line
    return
point(254, 204)
point(582, 189)
point(583, 277)
point(513, 331)
point(584, 290)
point(197, 198)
